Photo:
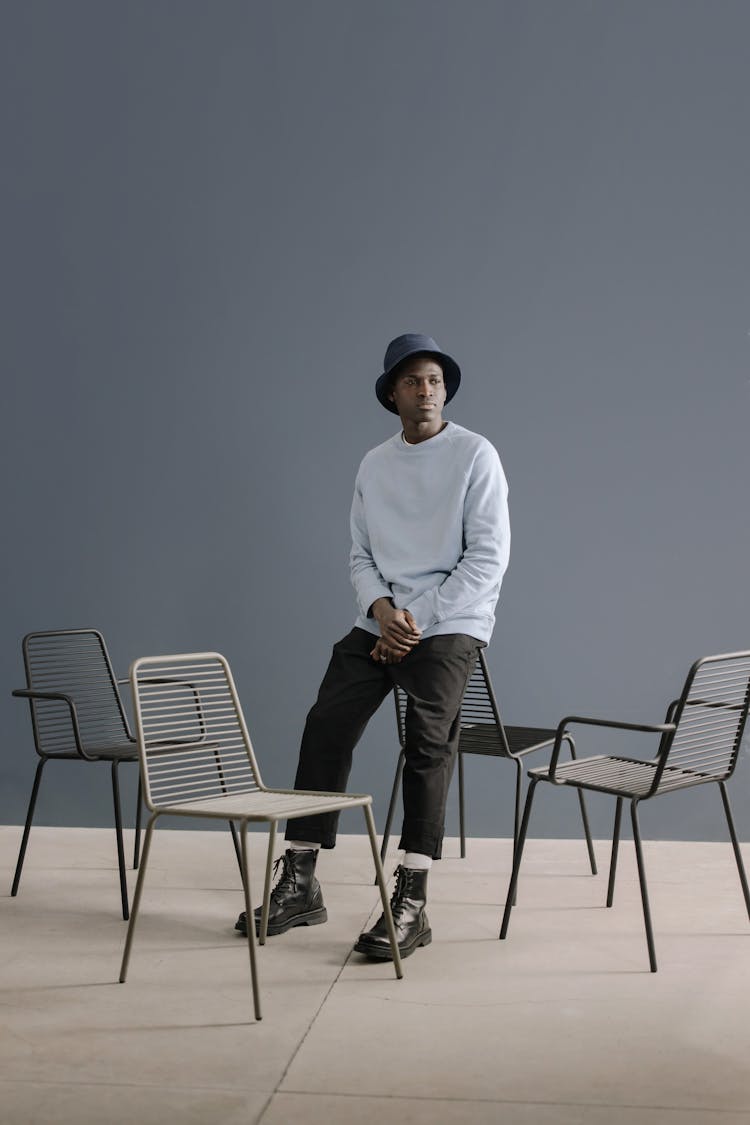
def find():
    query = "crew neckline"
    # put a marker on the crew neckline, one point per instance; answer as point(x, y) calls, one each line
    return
point(401, 438)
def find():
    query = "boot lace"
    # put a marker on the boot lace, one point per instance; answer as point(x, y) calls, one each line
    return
point(399, 891)
point(287, 879)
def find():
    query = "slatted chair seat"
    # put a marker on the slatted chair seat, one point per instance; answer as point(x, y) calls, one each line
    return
point(483, 738)
point(257, 805)
point(605, 774)
point(483, 732)
point(197, 760)
point(699, 745)
point(108, 752)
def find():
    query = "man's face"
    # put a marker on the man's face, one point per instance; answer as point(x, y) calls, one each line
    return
point(418, 391)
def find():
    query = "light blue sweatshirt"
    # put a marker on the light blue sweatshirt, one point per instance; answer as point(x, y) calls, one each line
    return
point(430, 529)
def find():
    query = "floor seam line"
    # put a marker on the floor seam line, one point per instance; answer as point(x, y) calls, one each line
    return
point(177, 1087)
point(318, 1010)
point(513, 1101)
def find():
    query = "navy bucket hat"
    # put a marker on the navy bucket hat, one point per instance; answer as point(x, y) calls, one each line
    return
point(414, 344)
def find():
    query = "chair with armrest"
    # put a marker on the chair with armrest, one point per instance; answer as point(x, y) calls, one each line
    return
point(699, 745)
point(482, 731)
point(76, 716)
point(201, 763)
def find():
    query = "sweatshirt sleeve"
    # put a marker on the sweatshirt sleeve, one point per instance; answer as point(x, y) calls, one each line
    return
point(368, 582)
point(486, 533)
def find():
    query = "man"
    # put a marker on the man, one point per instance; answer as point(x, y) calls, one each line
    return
point(430, 544)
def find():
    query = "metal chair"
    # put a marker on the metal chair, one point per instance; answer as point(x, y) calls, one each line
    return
point(483, 732)
point(76, 715)
point(699, 744)
point(197, 760)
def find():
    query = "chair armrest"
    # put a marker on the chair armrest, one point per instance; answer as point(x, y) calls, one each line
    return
point(171, 680)
point(59, 696)
point(585, 720)
point(32, 693)
point(671, 710)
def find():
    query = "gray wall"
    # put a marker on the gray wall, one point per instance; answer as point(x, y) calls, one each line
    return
point(215, 216)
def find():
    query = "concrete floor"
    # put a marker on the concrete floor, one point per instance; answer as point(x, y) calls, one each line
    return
point(562, 1023)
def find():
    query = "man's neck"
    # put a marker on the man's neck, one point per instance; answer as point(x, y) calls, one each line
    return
point(416, 432)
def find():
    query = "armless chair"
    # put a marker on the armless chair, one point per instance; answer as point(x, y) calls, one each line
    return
point(201, 763)
point(699, 745)
point(482, 731)
point(76, 716)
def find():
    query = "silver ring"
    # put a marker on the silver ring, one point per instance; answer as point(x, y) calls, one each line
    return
point(383, 659)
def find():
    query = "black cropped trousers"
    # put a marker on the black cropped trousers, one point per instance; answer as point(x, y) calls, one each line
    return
point(434, 677)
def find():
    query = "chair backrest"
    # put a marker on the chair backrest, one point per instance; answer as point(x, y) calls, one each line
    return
point(192, 739)
point(710, 720)
point(75, 662)
point(480, 715)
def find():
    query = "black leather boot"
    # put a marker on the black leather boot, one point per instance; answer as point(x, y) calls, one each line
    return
point(409, 917)
point(296, 900)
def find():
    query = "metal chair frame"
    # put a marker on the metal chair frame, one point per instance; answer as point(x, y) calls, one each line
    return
point(483, 732)
point(198, 761)
point(76, 715)
point(699, 745)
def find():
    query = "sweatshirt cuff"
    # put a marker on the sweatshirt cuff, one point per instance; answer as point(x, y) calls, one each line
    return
point(369, 592)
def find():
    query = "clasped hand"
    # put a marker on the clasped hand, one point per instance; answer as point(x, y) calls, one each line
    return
point(398, 632)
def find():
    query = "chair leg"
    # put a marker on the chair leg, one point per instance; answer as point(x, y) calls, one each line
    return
point(236, 842)
point(461, 805)
point(735, 844)
point(517, 808)
point(584, 813)
point(517, 860)
point(644, 889)
point(380, 880)
point(392, 805)
point(517, 812)
point(27, 826)
point(250, 923)
point(118, 836)
point(138, 810)
point(137, 897)
point(615, 848)
point(266, 907)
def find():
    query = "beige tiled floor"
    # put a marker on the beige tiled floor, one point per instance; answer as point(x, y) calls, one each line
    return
point(562, 1023)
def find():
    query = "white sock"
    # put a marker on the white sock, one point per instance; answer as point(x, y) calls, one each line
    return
point(302, 846)
point(416, 861)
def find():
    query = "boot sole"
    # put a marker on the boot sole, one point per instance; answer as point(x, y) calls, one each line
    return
point(313, 918)
point(384, 953)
